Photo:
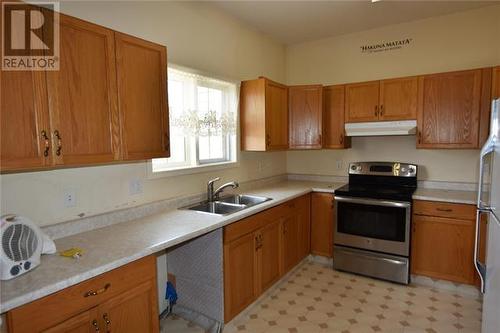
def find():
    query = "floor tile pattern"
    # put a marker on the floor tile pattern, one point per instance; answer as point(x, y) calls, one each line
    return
point(316, 298)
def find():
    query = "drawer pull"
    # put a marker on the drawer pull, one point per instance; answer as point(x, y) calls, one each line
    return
point(59, 142)
point(96, 325)
point(98, 291)
point(444, 210)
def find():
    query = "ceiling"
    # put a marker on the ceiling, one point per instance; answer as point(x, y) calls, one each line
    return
point(291, 22)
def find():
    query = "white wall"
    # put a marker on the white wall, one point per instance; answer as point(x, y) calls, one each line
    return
point(196, 36)
point(460, 41)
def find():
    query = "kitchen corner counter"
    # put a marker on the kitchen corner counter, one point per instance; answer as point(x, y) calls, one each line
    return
point(453, 196)
point(113, 246)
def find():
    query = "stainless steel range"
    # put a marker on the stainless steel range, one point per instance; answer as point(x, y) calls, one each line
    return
point(373, 214)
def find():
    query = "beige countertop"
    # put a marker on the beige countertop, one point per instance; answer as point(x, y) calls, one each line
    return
point(119, 244)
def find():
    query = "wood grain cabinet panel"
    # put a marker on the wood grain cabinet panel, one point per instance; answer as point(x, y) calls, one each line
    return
point(496, 82)
point(449, 109)
point(263, 115)
point(303, 212)
point(306, 113)
point(82, 95)
point(24, 121)
point(333, 118)
point(240, 273)
point(85, 322)
point(398, 99)
point(322, 224)
point(362, 101)
point(443, 248)
point(142, 97)
point(135, 310)
point(291, 227)
point(269, 255)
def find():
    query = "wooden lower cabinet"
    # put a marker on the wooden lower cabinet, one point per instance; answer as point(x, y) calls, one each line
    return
point(443, 243)
point(260, 249)
point(322, 224)
point(125, 301)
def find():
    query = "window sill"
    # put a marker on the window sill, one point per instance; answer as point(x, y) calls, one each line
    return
point(189, 170)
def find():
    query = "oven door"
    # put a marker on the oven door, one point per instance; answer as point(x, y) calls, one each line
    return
point(373, 224)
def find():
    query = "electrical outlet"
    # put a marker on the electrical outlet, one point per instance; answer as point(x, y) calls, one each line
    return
point(135, 187)
point(339, 164)
point(69, 198)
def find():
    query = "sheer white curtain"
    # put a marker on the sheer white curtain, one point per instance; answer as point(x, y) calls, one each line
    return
point(203, 121)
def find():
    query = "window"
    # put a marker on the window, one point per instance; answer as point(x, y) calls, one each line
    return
point(202, 121)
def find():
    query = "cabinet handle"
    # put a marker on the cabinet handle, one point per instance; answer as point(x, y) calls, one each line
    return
point(382, 110)
point(419, 136)
point(444, 209)
point(96, 325)
point(376, 110)
point(59, 142)
point(46, 143)
point(98, 291)
point(320, 139)
point(268, 140)
point(108, 322)
point(341, 139)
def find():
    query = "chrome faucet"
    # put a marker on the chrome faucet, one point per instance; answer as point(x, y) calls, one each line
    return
point(212, 194)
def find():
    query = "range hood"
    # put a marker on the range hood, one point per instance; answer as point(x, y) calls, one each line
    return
point(381, 128)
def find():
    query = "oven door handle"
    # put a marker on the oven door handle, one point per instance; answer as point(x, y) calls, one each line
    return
point(374, 202)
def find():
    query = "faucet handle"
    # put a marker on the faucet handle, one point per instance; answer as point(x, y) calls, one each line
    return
point(211, 181)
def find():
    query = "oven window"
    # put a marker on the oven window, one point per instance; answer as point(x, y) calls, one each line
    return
point(381, 222)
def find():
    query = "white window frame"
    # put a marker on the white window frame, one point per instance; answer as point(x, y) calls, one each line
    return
point(186, 168)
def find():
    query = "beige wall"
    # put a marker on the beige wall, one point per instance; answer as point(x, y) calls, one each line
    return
point(459, 41)
point(196, 36)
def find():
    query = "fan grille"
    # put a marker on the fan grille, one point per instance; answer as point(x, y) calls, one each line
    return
point(19, 242)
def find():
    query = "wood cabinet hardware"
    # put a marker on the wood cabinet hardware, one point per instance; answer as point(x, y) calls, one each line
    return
point(59, 142)
point(46, 143)
point(107, 321)
point(96, 325)
point(376, 110)
point(444, 209)
point(382, 110)
point(98, 291)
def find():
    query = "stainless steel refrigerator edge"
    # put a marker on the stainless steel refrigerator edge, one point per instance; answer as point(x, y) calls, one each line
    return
point(488, 202)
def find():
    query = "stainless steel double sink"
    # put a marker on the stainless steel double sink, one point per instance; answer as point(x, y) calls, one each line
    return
point(227, 205)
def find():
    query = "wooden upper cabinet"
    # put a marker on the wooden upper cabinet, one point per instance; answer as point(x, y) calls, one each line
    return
point(362, 102)
point(24, 121)
point(398, 99)
point(333, 118)
point(306, 113)
point(142, 97)
point(496, 83)
point(449, 109)
point(263, 115)
point(82, 95)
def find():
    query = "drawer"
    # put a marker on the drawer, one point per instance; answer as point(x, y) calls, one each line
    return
point(57, 307)
point(444, 209)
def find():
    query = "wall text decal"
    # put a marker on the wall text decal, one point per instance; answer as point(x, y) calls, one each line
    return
point(386, 46)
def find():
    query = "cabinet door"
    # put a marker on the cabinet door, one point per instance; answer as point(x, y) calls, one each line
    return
point(290, 242)
point(305, 116)
point(269, 255)
point(496, 82)
point(135, 310)
point(449, 110)
point(85, 322)
point(142, 91)
point(82, 95)
point(253, 115)
point(398, 99)
point(239, 275)
point(303, 212)
point(333, 118)
point(276, 116)
point(322, 223)
point(443, 248)
point(24, 121)
point(362, 102)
